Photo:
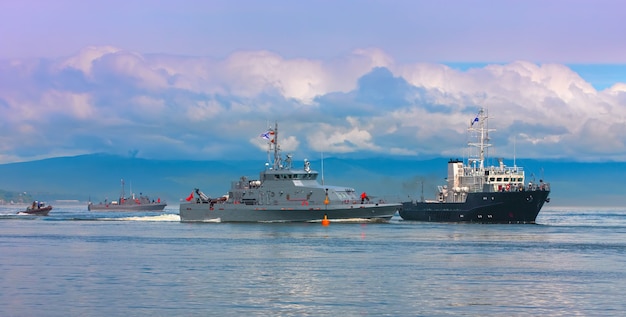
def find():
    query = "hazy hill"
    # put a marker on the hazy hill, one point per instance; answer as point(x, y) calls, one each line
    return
point(98, 176)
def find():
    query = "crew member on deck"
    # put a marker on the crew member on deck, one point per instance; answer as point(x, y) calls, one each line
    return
point(364, 197)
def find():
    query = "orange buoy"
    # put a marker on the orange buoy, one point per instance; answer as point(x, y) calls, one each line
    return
point(325, 221)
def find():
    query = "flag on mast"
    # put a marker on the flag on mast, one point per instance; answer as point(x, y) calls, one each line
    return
point(267, 135)
point(190, 197)
point(474, 121)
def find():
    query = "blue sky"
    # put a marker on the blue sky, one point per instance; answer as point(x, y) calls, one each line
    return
point(202, 79)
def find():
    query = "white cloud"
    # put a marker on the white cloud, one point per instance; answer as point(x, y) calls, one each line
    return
point(203, 110)
point(374, 57)
point(84, 60)
point(618, 88)
point(341, 139)
point(251, 73)
point(205, 107)
point(76, 105)
point(287, 143)
point(148, 104)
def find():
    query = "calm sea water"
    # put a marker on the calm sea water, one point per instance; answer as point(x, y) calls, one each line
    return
point(80, 263)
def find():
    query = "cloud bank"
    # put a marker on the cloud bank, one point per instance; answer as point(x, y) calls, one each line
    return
point(107, 99)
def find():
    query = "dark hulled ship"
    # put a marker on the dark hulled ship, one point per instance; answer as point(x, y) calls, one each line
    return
point(478, 193)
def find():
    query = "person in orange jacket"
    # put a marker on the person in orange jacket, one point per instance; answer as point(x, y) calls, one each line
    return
point(364, 197)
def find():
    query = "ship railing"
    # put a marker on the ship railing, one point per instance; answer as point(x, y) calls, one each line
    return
point(540, 186)
point(495, 170)
point(508, 187)
point(384, 199)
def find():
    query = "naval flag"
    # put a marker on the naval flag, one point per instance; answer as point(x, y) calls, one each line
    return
point(190, 197)
point(474, 121)
point(267, 134)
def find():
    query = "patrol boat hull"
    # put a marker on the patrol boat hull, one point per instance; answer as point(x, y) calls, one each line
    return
point(283, 193)
point(493, 207)
point(193, 212)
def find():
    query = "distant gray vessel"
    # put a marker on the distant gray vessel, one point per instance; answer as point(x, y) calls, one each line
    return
point(132, 203)
point(284, 194)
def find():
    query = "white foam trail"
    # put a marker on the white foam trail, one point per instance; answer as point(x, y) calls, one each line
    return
point(354, 220)
point(216, 220)
point(163, 218)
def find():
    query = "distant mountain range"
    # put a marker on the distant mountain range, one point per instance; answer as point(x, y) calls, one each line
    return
point(97, 176)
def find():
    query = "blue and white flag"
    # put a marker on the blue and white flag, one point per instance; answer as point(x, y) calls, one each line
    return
point(267, 134)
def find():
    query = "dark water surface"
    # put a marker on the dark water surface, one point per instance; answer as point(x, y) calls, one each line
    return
point(80, 263)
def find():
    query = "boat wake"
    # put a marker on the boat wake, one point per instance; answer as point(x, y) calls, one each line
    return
point(157, 218)
point(215, 220)
point(355, 220)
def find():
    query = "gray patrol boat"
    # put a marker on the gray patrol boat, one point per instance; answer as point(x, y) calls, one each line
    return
point(284, 194)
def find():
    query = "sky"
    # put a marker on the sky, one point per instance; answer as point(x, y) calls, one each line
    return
point(203, 79)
